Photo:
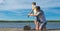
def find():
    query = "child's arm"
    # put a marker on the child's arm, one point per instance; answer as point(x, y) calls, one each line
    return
point(31, 12)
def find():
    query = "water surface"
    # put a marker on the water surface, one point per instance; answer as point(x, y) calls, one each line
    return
point(50, 25)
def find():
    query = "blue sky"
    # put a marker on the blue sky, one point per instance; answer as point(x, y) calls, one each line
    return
point(10, 9)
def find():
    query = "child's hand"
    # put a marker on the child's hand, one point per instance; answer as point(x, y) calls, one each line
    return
point(30, 14)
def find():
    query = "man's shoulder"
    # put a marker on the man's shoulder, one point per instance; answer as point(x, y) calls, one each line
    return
point(41, 10)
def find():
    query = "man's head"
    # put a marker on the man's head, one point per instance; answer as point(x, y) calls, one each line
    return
point(37, 8)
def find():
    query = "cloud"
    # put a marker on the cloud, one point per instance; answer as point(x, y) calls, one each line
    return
point(49, 3)
point(1, 1)
point(14, 4)
point(25, 4)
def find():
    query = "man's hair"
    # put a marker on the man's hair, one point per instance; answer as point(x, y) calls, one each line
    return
point(37, 7)
point(34, 3)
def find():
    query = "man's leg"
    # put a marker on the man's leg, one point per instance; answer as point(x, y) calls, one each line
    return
point(44, 28)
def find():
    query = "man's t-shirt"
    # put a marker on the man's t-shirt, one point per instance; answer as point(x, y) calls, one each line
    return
point(40, 16)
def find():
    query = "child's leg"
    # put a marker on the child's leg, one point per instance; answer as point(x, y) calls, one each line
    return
point(37, 25)
point(35, 22)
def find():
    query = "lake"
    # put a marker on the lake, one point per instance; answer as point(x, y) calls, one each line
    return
point(50, 25)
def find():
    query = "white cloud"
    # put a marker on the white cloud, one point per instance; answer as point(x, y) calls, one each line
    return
point(23, 4)
point(49, 3)
point(1, 1)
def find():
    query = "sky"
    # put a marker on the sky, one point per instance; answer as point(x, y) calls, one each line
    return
point(8, 8)
point(21, 4)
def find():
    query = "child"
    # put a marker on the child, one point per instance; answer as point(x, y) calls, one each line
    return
point(34, 10)
point(40, 18)
point(33, 6)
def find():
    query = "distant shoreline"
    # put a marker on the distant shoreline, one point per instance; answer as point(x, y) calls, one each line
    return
point(28, 21)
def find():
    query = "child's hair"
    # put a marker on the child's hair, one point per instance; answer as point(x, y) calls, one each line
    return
point(37, 7)
point(34, 3)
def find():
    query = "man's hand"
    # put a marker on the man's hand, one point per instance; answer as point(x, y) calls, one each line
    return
point(30, 14)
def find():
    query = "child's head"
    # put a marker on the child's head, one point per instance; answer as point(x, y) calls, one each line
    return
point(37, 8)
point(33, 3)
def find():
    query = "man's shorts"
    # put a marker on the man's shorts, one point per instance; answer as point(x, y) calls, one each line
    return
point(42, 23)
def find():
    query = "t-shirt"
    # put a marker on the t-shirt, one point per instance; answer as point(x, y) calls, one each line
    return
point(33, 10)
point(40, 16)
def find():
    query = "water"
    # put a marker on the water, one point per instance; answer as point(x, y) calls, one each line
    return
point(50, 25)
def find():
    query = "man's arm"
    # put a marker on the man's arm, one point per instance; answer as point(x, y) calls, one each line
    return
point(34, 14)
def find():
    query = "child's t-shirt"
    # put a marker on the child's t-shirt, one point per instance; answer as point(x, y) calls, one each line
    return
point(40, 16)
point(33, 10)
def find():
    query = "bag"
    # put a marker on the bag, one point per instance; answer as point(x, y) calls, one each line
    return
point(27, 27)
